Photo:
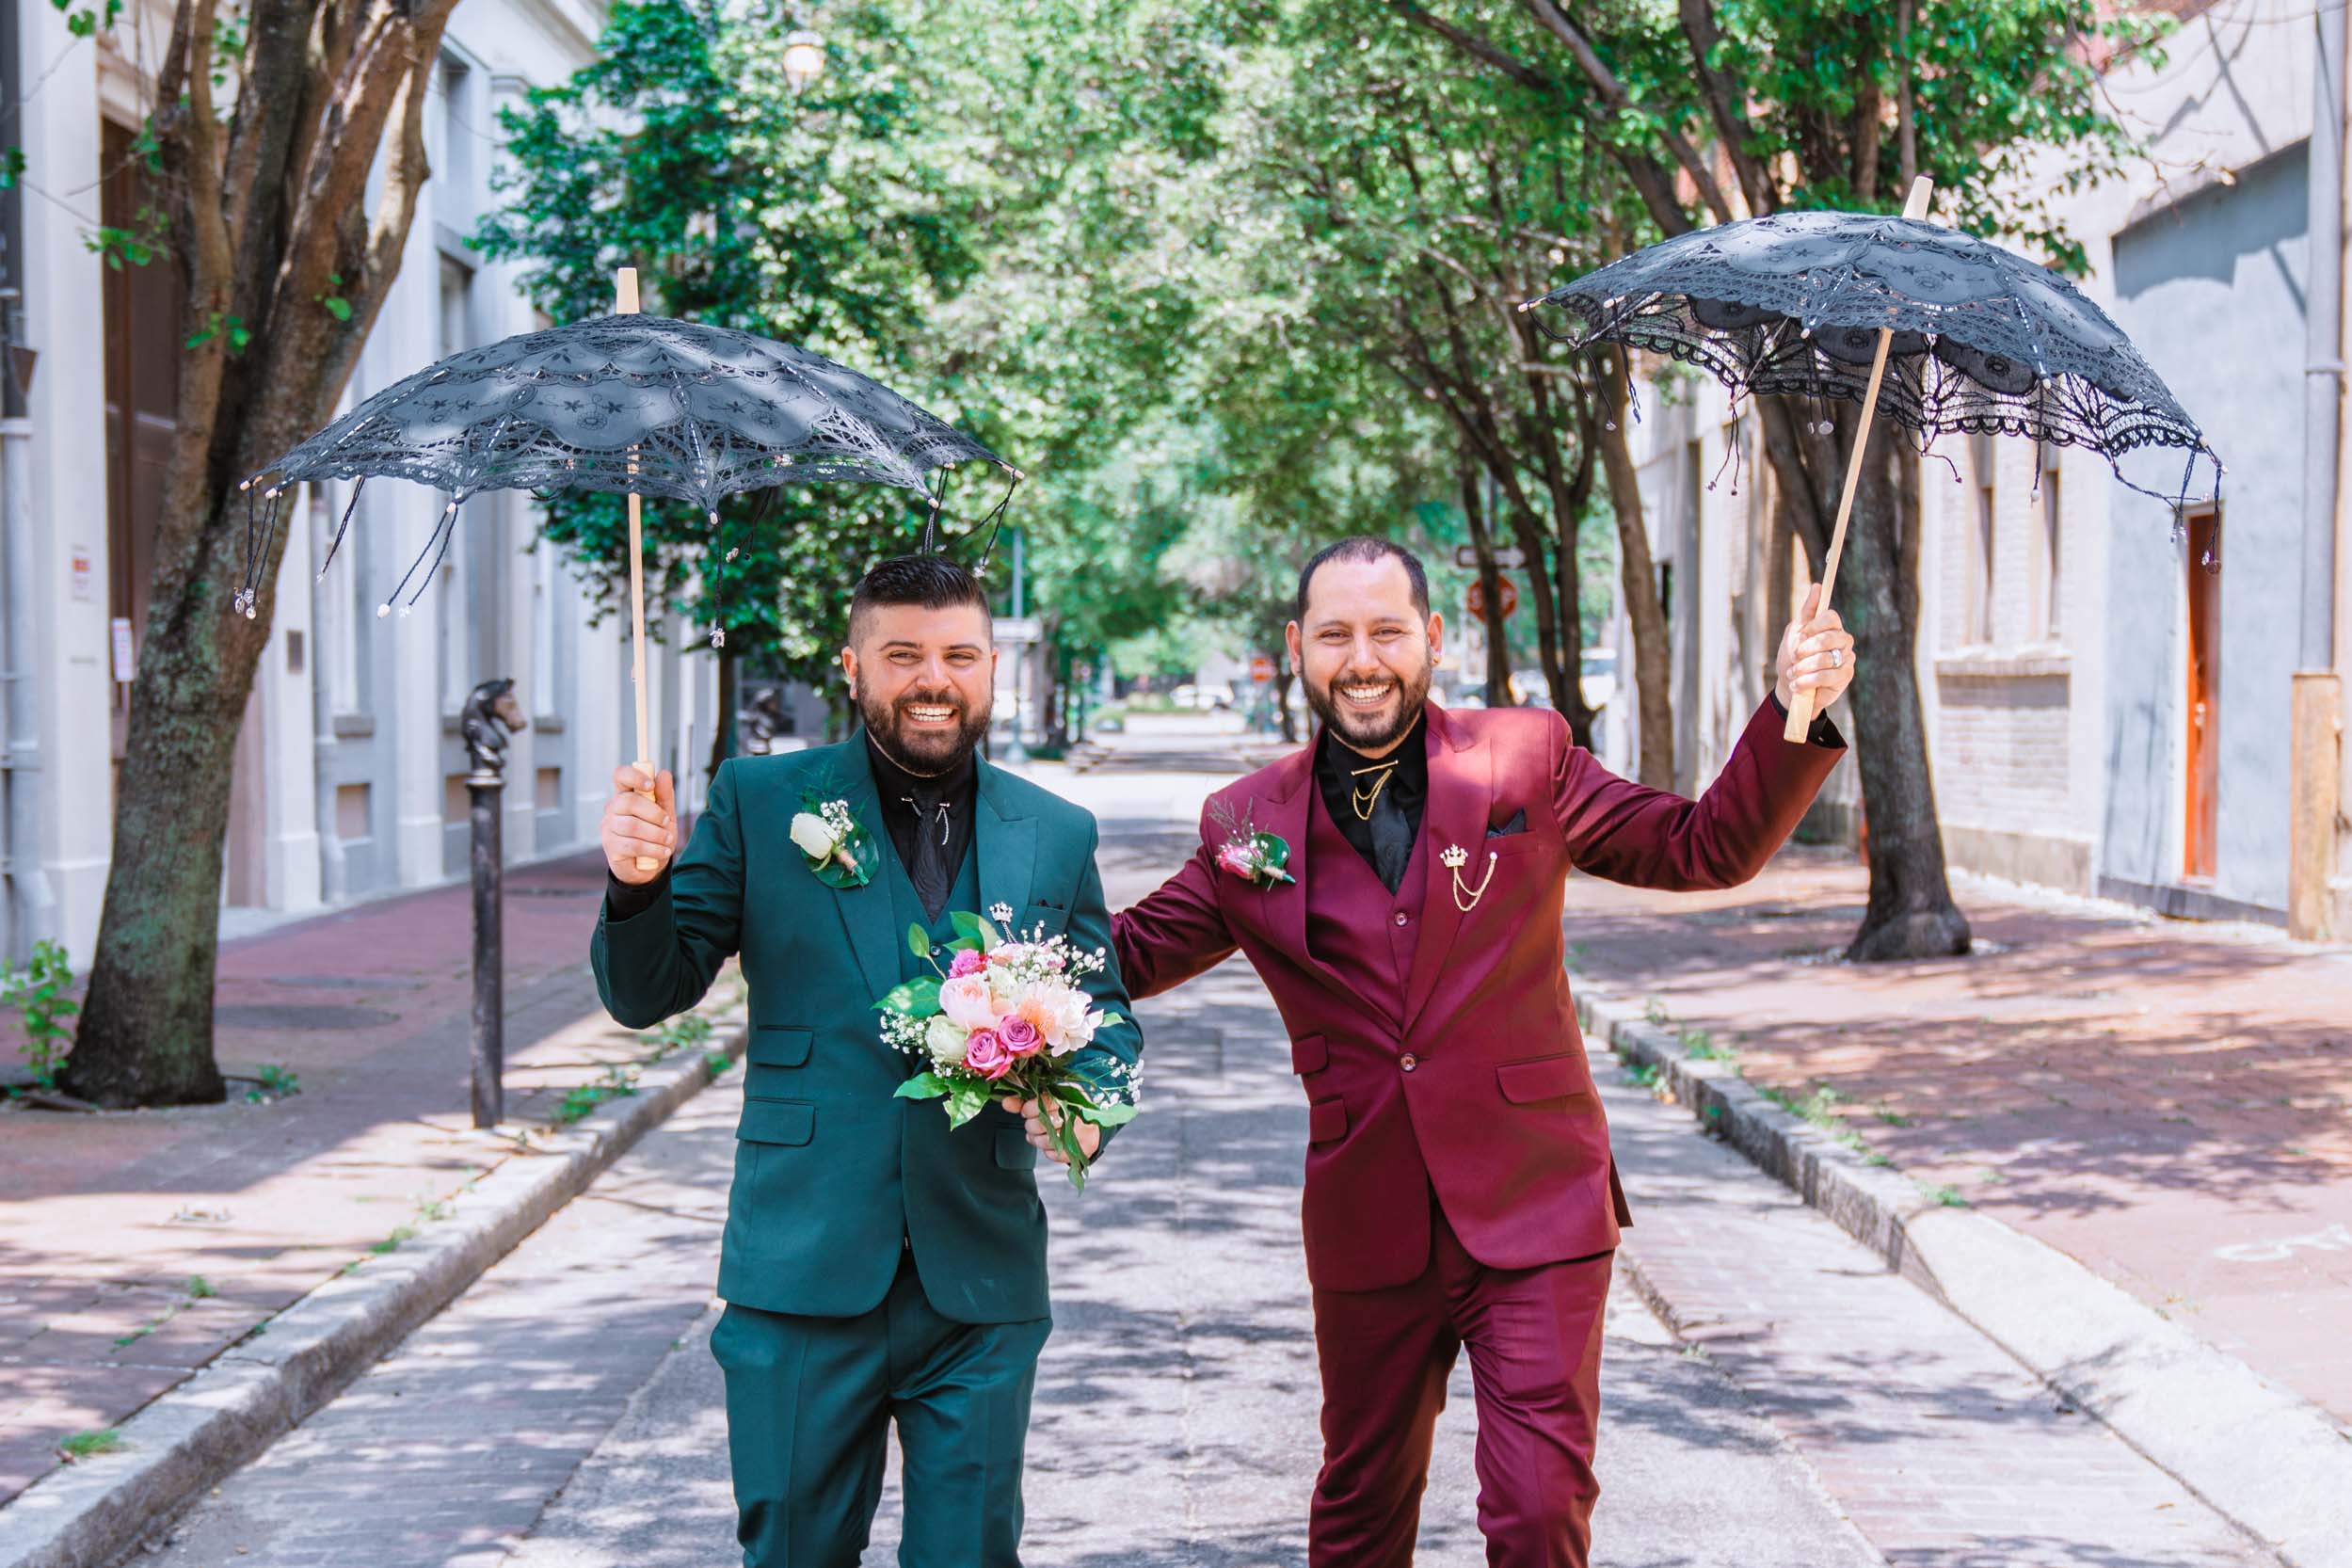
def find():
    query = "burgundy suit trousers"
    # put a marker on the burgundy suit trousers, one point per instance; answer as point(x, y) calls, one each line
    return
point(1534, 1338)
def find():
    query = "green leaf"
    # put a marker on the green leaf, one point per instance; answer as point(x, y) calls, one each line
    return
point(964, 1101)
point(918, 940)
point(972, 929)
point(336, 306)
point(12, 166)
point(922, 1086)
point(1106, 1115)
point(917, 998)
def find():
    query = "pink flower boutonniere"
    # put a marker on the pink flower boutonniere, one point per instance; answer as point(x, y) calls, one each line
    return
point(1257, 858)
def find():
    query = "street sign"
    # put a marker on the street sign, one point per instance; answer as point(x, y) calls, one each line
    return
point(1025, 629)
point(1509, 557)
point(1261, 670)
point(1478, 597)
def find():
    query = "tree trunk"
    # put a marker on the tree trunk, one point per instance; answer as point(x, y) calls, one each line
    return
point(1049, 718)
point(1911, 913)
point(1568, 696)
point(270, 212)
point(1528, 534)
point(1490, 588)
point(1653, 652)
point(146, 1036)
point(1779, 579)
point(723, 732)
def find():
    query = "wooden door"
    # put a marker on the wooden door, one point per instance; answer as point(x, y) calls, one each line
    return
point(142, 349)
point(2203, 709)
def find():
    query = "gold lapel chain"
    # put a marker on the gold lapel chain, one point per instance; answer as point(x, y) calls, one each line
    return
point(1362, 800)
point(1456, 857)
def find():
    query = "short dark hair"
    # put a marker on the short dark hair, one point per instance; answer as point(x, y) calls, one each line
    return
point(933, 581)
point(1365, 547)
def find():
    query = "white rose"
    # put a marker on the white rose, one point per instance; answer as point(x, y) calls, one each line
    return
point(814, 839)
point(1070, 1016)
point(1003, 986)
point(944, 1038)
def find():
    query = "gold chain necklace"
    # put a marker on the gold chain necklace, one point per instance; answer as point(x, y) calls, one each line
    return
point(1363, 800)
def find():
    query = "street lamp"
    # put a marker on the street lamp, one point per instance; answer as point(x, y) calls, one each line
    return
point(803, 60)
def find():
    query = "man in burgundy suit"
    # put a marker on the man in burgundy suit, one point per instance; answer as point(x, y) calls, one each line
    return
point(1460, 1191)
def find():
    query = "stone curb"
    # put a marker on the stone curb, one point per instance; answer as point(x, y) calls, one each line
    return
point(2270, 1462)
point(89, 1513)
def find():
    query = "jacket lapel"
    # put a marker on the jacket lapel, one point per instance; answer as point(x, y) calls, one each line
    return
point(866, 911)
point(1007, 846)
point(1461, 789)
point(1284, 815)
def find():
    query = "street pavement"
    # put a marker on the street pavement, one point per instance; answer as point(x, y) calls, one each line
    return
point(368, 1009)
point(1815, 1412)
point(2163, 1100)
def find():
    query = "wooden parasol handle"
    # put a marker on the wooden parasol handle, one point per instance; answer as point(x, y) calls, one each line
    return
point(1800, 700)
point(625, 304)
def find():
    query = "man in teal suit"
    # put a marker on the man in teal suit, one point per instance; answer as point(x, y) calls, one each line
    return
point(876, 1264)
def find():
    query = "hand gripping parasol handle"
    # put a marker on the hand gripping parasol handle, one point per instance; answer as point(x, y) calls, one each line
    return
point(625, 304)
point(1800, 700)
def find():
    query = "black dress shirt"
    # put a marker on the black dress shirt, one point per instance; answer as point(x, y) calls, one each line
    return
point(1821, 732)
point(1382, 832)
point(913, 808)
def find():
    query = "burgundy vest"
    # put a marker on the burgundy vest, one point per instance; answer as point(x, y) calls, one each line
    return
point(1341, 887)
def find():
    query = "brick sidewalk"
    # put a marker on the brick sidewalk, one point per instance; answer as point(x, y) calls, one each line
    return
point(106, 1219)
point(2164, 1101)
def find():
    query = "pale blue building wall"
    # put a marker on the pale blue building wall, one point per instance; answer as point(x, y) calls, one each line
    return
point(2211, 289)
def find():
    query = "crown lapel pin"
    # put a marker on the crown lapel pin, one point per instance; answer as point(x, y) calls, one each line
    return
point(1455, 858)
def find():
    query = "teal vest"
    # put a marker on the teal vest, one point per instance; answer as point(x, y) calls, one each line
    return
point(906, 905)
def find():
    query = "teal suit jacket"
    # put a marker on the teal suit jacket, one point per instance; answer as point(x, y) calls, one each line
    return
point(834, 1177)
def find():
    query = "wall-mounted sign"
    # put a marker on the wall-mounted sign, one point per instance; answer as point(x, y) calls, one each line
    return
point(1508, 557)
point(125, 663)
point(78, 570)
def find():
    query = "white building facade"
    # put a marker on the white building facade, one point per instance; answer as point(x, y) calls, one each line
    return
point(348, 775)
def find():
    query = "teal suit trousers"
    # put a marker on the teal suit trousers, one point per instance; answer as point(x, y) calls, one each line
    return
point(808, 1405)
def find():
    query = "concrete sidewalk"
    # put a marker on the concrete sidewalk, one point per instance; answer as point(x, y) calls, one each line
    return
point(110, 1220)
point(2162, 1101)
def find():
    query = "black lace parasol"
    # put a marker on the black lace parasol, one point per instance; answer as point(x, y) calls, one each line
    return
point(1935, 330)
point(1981, 340)
point(626, 403)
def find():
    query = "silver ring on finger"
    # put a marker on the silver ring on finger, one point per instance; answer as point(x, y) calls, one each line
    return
point(1837, 656)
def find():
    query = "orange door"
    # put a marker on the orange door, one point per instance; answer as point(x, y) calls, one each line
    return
point(2205, 700)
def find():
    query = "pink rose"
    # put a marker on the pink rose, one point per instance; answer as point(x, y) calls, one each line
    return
point(965, 999)
point(985, 1053)
point(1236, 860)
point(969, 961)
point(1020, 1036)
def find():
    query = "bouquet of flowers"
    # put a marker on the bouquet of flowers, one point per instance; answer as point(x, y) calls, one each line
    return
point(1008, 1017)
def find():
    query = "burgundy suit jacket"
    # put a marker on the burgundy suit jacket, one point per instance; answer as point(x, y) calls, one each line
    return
point(1480, 1088)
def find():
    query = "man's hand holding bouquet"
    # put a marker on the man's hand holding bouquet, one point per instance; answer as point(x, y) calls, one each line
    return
point(1006, 1018)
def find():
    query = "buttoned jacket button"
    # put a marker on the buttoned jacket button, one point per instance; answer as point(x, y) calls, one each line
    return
point(1400, 917)
point(1410, 1062)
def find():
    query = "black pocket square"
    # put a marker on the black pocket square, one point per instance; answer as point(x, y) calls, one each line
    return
point(1518, 823)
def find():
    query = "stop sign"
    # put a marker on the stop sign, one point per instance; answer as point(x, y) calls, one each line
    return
point(1261, 670)
point(1478, 597)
